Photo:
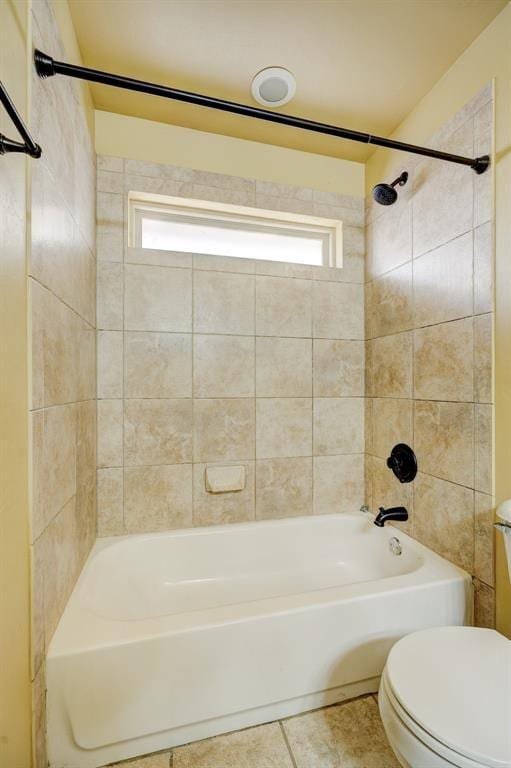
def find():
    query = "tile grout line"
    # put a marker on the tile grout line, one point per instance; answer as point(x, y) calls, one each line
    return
point(286, 740)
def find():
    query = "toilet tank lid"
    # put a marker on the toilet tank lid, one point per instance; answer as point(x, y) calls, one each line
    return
point(455, 682)
point(504, 511)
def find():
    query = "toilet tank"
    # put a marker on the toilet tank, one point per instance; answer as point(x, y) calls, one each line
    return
point(504, 525)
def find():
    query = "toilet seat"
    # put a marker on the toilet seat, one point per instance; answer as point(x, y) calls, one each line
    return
point(451, 688)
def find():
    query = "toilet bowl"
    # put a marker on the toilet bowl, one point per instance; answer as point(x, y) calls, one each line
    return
point(445, 699)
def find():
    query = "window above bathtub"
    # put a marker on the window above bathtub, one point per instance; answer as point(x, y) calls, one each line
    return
point(218, 229)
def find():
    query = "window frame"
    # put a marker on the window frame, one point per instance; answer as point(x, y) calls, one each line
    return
point(238, 217)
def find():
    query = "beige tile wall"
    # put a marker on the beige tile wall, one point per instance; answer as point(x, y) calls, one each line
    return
point(62, 275)
point(429, 350)
point(210, 360)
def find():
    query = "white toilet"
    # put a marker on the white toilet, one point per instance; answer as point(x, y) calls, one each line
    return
point(445, 694)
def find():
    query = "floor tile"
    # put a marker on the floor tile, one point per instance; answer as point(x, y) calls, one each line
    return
point(261, 747)
point(157, 760)
point(345, 736)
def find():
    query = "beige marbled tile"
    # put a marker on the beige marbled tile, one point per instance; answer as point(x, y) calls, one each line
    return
point(157, 432)
point(337, 310)
point(38, 692)
point(338, 484)
point(223, 303)
point(483, 358)
point(283, 488)
point(283, 367)
point(391, 302)
point(368, 374)
point(387, 491)
point(483, 448)
point(483, 268)
point(288, 204)
point(260, 747)
point(351, 217)
point(283, 306)
point(86, 462)
point(444, 440)
point(157, 298)
point(444, 519)
point(36, 331)
point(155, 760)
point(224, 429)
point(389, 236)
point(392, 423)
point(64, 351)
point(368, 425)
point(224, 181)
point(223, 366)
point(349, 735)
point(109, 181)
point(221, 195)
point(109, 307)
point(484, 605)
point(110, 163)
point(53, 463)
point(110, 502)
point(484, 556)
point(62, 564)
point(60, 257)
point(443, 283)
point(354, 248)
point(213, 262)
point(338, 425)
point(391, 365)
point(483, 183)
point(338, 368)
point(110, 364)
point(368, 310)
point(443, 196)
point(160, 186)
point(158, 170)
point(443, 362)
point(37, 645)
point(155, 257)
point(110, 433)
point(286, 269)
point(157, 364)
point(222, 508)
point(110, 227)
point(283, 190)
point(157, 498)
point(368, 481)
point(283, 427)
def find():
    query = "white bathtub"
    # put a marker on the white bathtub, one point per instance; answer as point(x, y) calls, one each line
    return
point(173, 637)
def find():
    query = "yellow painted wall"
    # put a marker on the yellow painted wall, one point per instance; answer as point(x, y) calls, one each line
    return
point(138, 139)
point(15, 706)
point(489, 57)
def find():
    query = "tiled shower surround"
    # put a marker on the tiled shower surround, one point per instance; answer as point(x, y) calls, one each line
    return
point(429, 304)
point(207, 360)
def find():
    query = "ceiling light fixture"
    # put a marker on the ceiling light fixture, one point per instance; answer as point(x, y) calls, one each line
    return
point(273, 86)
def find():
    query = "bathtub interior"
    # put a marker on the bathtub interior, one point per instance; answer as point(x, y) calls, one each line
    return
point(149, 576)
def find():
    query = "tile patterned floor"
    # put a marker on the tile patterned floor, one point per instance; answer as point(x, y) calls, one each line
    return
point(346, 735)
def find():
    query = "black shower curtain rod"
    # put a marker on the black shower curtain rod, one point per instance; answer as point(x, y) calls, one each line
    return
point(46, 66)
point(28, 145)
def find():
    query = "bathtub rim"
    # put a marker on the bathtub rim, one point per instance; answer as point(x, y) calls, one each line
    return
point(81, 630)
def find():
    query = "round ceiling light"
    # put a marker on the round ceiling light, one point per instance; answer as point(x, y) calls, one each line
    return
point(273, 86)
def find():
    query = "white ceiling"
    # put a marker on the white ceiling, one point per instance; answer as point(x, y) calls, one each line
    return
point(361, 64)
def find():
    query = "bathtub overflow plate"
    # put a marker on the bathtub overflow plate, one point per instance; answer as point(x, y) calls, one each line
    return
point(395, 546)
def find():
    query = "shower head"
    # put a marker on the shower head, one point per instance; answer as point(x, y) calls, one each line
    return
point(385, 194)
